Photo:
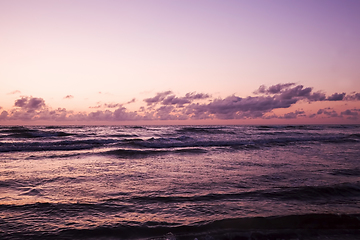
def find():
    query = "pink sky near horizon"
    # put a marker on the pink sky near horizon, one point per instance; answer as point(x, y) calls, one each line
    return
point(107, 53)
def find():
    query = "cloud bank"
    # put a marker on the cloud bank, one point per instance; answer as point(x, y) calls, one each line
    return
point(195, 106)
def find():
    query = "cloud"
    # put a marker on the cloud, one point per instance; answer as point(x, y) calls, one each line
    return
point(112, 105)
point(168, 98)
point(3, 115)
point(168, 106)
point(121, 114)
point(353, 97)
point(99, 116)
point(14, 92)
point(273, 89)
point(289, 91)
point(97, 106)
point(328, 111)
point(173, 100)
point(68, 97)
point(180, 101)
point(336, 97)
point(348, 112)
point(131, 101)
point(194, 95)
point(290, 115)
point(30, 103)
point(296, 92)
point(295, 114)
point(234, 107)
point(158, 98)
point(352, 114)
point(105, 93)
point(316, 96)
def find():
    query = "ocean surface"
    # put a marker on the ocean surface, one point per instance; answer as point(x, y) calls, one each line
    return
point(180, 182)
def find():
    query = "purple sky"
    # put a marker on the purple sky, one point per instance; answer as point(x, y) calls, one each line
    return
point(115, 62)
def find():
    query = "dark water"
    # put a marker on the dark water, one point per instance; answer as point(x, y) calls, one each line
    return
point(180, 182)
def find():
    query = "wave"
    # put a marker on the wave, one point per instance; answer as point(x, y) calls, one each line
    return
point(346, 172)
point(185, 141)
point(313, 226)
point(123, 135)
point(22, 139)
point(308, 193)
point(168, 143)
point(69, 145)
point(306, 127)
point(130, 153)
point(24, 132)
point(345, 192)
point(204, 130)
point(30, 184)
point(133, 153)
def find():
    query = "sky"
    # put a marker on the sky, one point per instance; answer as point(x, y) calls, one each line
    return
point(179, 62)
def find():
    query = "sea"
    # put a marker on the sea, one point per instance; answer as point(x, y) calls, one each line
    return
point(180, 182)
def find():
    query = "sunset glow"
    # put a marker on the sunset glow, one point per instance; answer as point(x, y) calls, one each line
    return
point(179, 62)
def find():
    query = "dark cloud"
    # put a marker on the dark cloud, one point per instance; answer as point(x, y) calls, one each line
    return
point(158, 98)
point(68, 97)
point(290, 91)
point(292, 115)
point(194, 95)
point(168, 98)
point(336, 97)
point(274, 89)
point(295, 92)
point(316, 96)
point(21, 102)
point(30, 103)
point(234, 107)
point(349, 112)
point(328, 111)
point(173, 100)
point(352, 114)
point(180, 101)
point(353, 96)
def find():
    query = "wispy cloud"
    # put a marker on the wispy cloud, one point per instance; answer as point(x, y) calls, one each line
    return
point(68, 97)
point(14, 92)
point(131, 101)
point(112, 105)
